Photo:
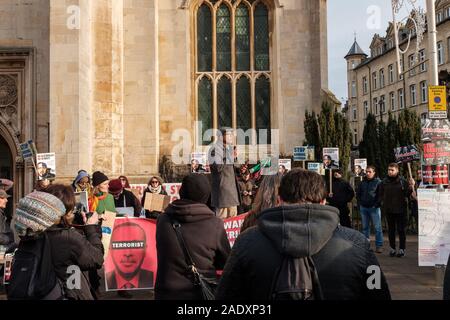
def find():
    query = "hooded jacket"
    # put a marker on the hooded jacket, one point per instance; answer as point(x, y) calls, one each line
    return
point(205, 238)
point(341, 255)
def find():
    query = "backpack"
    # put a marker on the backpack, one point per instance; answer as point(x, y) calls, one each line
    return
point(33, 275)
point(296, 279)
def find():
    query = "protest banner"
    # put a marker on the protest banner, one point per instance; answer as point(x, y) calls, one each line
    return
point(331, 158)
point(107, 229)
point(199, 163)
point(406, 154)
point(173, 190)
point(82, 198)
point(285, 164)
point(156, 202)
point(436, 151)
point(138, 190)
point(316, 167)
point(305, 153)
point(46, 166)
point(360, 167)
point(437, 102)
point(434, 223)
point(233, 227)
point(132, 260)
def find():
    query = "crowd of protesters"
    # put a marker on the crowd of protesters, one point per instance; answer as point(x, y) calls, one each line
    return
point(296, 214)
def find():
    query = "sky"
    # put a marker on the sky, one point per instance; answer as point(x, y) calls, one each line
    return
point(345, 17)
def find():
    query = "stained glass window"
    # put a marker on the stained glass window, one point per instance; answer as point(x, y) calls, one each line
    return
point(223, 38)
point(262, 102)
point(204, 39)
point(261, 31)
point(205, 105)
point(224, 102)
point(242, 26)
point(243, 104)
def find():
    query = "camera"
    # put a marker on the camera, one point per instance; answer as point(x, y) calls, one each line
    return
point(78, 213)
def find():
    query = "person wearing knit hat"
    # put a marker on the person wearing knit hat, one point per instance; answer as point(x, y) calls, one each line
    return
point(196, 188)
point(125, 201)
point(100, 200)
point(37, 212)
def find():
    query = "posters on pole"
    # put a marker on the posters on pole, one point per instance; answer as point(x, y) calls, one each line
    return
point(233, 227)
point(437, 102)
point(434, 227)
point(305, 153)
point(331, 158)
point(316, 167)
point(199, 163)
point(407, 154)
point(436, 151)
point(360, 167)
point(27, 152)
point(46, 166)
point(132, 260)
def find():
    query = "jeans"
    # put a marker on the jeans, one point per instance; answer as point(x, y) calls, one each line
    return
point(373, 214)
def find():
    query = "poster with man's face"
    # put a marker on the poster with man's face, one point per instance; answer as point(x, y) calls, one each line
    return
point(331, 158)
point(46, 166)
point(132, 261)
point(360, 167)
point(199, 162)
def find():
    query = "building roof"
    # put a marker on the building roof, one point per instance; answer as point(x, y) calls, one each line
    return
point(355, 50)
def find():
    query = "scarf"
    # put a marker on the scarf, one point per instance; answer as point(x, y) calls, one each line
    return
point(155, 190)
point(94, 200)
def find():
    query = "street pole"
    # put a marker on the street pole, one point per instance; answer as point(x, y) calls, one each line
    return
point(432, 43)
point(434, 81)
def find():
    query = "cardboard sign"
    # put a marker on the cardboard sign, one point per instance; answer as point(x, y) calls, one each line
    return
point(407, 154)
point(156, 202)
point(437, 102)
point(107, 229)
point(132, 260)
point(331, 158)
point(46, 166)
point(305, 153)
point(233, 227)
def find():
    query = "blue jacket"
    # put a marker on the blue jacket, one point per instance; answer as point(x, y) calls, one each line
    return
point(367, 193)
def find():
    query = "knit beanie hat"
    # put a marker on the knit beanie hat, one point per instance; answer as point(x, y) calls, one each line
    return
point(196, 187)
point(98, 178)
point(115, 186)
point(38, 211)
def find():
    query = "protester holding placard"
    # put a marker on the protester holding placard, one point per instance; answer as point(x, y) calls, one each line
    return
point(100, 200)
point(125, 202)
point(266, 198)
point(155, 185)
point(343, 193)
point(394, 192)
point(204, 237)
point(46, 217)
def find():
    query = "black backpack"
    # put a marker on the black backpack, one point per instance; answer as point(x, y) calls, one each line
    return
point(296, 279)
point(33, 275)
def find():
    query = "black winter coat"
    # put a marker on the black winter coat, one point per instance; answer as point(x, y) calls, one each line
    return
point(343, 193)
point(206, 240)
point(341, 255)
point(128, 199)
point(70, 247)
point(393, 194)
point(367, 193)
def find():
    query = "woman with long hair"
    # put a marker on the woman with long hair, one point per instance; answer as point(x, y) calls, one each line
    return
point(266, 197)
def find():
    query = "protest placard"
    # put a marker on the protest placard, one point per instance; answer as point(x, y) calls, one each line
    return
point(46, 166)
point(199, 162)
point(285, 165)
point(331, 158)
point(233, 227)
point(316, 167)
point(173, 190)
point(156, 202)
point(107, 229)
point(407, 154)
point(305, 153)
point(132, 260)
point(360, 167)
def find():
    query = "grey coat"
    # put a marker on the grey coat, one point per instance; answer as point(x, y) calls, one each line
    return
point(224, 193)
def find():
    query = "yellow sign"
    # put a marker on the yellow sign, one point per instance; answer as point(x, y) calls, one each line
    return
point(437, 98)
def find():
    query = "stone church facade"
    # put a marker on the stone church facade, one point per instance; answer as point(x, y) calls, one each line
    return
point(104, 84)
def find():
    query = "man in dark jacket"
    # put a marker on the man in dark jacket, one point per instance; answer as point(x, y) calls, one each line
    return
point(369, 206)
point(342, 194)
point(394, 193)
point(224, 194)
point(125, 201)
point(303, 226)
point(204, 235)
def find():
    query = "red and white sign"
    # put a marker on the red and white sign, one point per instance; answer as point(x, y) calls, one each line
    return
point(233, 227)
